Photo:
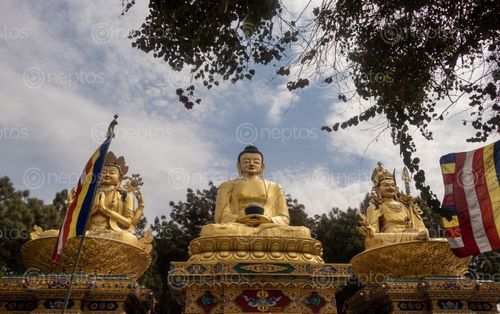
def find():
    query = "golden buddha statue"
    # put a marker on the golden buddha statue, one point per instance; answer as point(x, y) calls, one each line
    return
point(251, 205)
point(391, 217)
point(252, 221)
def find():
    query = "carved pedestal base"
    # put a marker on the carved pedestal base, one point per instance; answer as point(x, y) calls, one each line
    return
point(38, 293)
point(267, 287)
point(429, 295)
point(414, 259)
point(100, 255)
point(255, 249)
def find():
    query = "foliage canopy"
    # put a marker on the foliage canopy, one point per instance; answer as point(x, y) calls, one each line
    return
point(403, 59)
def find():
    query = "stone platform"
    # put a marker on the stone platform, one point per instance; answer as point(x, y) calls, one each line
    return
point(264, 287)
point(426, 295)
point(37, 293)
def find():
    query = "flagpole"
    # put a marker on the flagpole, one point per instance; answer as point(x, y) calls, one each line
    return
point(109, 136)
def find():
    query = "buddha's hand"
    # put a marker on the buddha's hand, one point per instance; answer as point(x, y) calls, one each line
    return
point(423, 235)
point(106, 211)
point(364, 227)
point(366, 231)
point(253, 220)
point(138, 196)
point(100, 204)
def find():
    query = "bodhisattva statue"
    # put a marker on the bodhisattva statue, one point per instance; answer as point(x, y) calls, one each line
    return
point(397, 243)
point(251, 205)
point(391, 217)
point(110, 231)
point(113, 213)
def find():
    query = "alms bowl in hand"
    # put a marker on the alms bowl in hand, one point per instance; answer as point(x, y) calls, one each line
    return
point(254, 209)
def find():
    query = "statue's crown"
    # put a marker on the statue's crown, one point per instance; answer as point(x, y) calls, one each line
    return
point(119, 162)
point(380, 173)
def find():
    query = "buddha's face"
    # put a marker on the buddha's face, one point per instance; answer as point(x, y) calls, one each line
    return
point(250, 164)
point(110, 175)
point(387, 188)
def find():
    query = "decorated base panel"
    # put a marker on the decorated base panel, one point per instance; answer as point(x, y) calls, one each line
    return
point(37, 293)
point(257, 287)
point(428, 295)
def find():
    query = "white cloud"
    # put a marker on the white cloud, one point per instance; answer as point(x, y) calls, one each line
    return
point(319, 189)
point(73, 88)
point(362, 142)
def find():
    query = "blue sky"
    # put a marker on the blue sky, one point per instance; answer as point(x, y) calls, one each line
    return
point(67, 68)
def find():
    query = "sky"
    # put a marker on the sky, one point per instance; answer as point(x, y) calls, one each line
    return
point(67, 67)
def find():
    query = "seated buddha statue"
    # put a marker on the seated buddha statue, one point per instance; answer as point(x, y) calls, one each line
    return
point(251, 205)
point(391, 217)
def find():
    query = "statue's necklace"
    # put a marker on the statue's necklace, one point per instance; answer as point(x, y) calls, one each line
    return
point(395, 207)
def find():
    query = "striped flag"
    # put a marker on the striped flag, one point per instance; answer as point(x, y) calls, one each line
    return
point(79, 210)
point(472, 194)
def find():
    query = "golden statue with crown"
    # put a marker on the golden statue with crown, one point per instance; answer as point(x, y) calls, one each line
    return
point(397, 242)
point(391, 216)
point(110, 237)
point(402, 269)
point(113, 213)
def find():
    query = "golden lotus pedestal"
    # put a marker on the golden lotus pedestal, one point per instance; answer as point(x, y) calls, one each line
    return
point(250, 274)
point(418, 277)
point(105, 281)
point(100, 256)
point(413, 259)
point(255, 249)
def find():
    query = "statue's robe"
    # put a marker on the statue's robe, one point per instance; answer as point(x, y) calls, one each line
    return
point(232, 198)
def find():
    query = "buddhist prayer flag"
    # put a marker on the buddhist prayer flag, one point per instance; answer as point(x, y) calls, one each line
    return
point(472, 194)
point(79, 210)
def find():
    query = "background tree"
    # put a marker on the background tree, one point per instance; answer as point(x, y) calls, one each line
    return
point(486, 266)
point(337, 232)
point(406, 56)
point(297, 211)
point(18, 214)
point(365, 203)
